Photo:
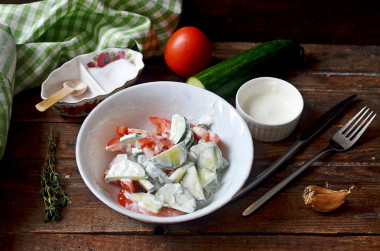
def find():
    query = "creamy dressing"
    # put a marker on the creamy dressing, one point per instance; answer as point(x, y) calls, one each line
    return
point(270, 108)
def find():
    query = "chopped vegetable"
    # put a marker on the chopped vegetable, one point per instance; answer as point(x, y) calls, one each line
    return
point(166, 172)
point(226, 77)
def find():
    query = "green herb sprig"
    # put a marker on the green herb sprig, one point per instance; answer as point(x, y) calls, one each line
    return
point(54, 197)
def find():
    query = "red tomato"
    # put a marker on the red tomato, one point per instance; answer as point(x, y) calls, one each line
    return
point(128, 185)
point(122, 130)
point(115, 145)
point(187, 52)
point(124, 199)
point(163, 125)
point(207, 136)
point(164, 212)
point(131, 186)
point(154, 144)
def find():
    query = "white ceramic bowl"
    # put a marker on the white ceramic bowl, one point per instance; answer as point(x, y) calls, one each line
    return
point(105, 72)
point(132, 107)
point(270, 106)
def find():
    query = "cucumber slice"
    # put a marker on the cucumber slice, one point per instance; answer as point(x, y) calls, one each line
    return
point(179, 128)
point(147, 201)
point(156, 173)
point(206, 176)
point(210, 157)
point(149, 187)
point(189, 139)
point(192, 183)
point(173, 195)
point(132, 138)
point(192, 157)
point(211, 188)
point(198, 148)
point(177, 175)
point(171, 158)
point(123, 168)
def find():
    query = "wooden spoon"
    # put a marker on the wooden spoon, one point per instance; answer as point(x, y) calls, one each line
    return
point(73, 87)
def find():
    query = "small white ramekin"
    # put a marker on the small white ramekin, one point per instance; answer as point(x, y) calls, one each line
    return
point(279, 103)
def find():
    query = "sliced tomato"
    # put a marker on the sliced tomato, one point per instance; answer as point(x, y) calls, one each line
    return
point(123, 130)
point(132, 186)
point(115, 145)
point(164, 212)
point(128, 184)
point(114, 141)
point(154, 144)
point(163, 125)
point(207, 136)
point(124, 199)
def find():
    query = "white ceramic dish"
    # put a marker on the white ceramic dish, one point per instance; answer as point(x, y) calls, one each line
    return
point(271, 107)
point(105, 72)
point(132, 107)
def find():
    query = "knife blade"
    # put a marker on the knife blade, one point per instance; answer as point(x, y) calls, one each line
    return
point(305, 136)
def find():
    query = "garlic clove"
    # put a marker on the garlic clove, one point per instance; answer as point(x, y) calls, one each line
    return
point(323, 199)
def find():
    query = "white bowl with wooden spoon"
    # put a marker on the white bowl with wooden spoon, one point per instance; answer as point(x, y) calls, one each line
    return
point(104, 72)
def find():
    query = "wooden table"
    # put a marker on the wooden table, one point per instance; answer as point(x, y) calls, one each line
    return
point(332, 72)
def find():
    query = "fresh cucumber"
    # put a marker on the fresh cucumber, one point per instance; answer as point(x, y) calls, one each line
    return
point(124, 168)
point(179, 128)
point(206, 176)
point(172, 158)
point(177, 175)
point(155, 173)
point(132, 138)
point(174, 195)
point(147, 201)
point(193, 184)
point(147, 185)
point(226, 77)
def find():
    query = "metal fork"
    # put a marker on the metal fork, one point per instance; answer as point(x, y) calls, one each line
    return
point(341, 141)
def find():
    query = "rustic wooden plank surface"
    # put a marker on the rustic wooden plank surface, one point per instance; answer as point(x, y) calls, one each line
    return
point(330, 74)
point(132, 242)
point(322, 21)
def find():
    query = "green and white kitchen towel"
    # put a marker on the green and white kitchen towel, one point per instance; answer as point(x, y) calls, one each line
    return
point(36, 38)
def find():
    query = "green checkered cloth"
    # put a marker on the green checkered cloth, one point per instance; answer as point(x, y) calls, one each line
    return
point(37, 38)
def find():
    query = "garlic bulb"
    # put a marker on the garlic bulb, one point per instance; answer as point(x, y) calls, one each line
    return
point(323, 199)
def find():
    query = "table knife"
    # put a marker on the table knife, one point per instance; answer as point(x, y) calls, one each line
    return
point(305, 136)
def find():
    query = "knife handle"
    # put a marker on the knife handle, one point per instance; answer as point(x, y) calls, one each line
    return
point(254, 206)
point(262, 176)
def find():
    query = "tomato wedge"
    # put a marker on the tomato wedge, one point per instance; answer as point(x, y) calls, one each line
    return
point(154, 144)
point(207, 136)
point(115, 145)
point(128, 185)
point(163, 125)
point(164, 212)
point(124, 199)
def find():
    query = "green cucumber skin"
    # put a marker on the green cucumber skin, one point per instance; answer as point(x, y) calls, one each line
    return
point(226, 77)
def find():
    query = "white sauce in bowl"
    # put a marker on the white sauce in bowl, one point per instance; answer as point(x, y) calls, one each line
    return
point(270, 107)
point(270, 101)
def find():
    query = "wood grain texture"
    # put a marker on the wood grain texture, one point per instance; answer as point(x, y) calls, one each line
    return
point(322, 22)
point(330, 74)
point(157, 242)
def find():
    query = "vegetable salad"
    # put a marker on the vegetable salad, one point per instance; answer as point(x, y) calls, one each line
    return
point(165, 172)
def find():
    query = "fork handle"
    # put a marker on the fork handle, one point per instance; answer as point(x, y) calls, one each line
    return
point(283, 183)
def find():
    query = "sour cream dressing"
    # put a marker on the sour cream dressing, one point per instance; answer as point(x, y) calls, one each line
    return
point(272, 104)
point(270, 108)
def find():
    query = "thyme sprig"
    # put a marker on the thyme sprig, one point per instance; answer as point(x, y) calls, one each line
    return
point(54, 197)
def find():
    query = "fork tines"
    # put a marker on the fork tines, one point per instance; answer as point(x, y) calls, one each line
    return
point(353, 132)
